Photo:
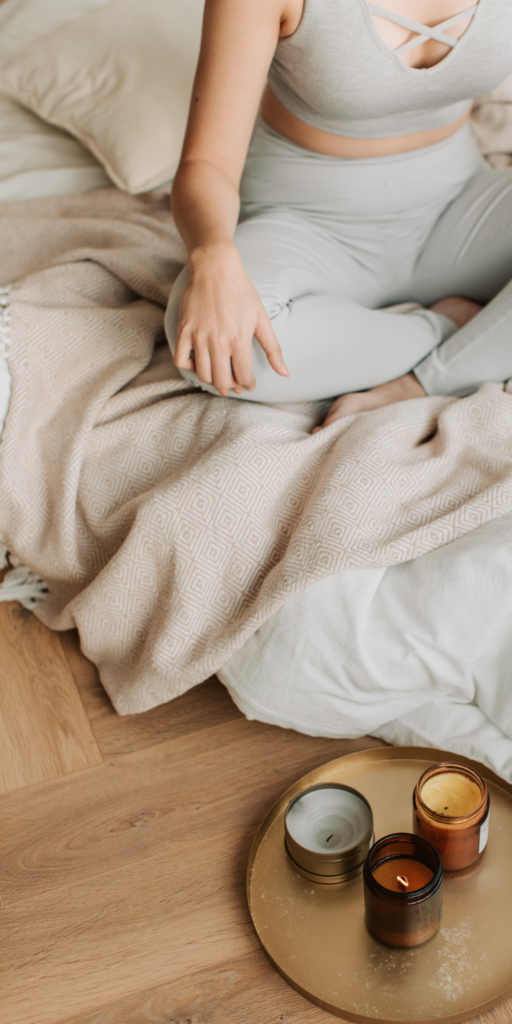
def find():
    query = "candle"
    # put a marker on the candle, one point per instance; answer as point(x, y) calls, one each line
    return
point(403, 879)
point(451, 810)
point(328, 832)
point(402, 874)
point(451, 794)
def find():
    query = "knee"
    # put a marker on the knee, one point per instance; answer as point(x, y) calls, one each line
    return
point(270, 387)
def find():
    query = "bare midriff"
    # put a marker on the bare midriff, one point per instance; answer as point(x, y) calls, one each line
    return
point(318, 141)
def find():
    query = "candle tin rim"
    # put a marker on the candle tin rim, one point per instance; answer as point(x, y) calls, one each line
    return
point(326, 879)
point(347, 861)
point(417, 895)
point(458, 769)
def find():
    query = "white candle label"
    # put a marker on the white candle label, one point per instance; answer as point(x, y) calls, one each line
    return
point(484, 835)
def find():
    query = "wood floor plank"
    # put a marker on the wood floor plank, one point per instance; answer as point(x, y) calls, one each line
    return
point(131, 874)
point(206, 705)
point(144, 804)
point(499, 1015)
point(75, 949)
point(247, 990)
point(44, 729)
point(243, 991)
point(123, 884)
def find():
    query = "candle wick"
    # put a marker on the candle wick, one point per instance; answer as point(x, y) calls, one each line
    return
point(403, 881)
point(330, 837)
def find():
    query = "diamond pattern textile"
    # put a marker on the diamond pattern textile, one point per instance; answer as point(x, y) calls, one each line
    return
point(168, 523)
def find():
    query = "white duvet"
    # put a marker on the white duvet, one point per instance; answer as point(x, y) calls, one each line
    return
point(418, 653)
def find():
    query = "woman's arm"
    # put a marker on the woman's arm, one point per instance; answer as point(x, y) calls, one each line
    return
point(220, 309)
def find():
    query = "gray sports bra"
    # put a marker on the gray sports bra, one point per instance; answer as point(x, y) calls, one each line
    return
point(336, 73)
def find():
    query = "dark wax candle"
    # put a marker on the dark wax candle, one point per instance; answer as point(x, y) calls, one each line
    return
point(403, 898)
point(402, 874)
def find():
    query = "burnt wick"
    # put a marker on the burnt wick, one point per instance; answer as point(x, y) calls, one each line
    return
point(403, 881)
point(330, 837)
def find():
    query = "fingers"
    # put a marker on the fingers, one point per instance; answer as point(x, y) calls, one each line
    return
point(227, 363)
point(270, 345)
point(202, 362)
point(184, 354)
point(241, 362)
point(222, 376)
point(216, 329)
point(192, 353)
point(226, 366)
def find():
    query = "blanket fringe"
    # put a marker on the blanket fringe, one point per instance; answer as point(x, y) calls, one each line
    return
point(5, 373)
point(21, 584)
point(4, 321)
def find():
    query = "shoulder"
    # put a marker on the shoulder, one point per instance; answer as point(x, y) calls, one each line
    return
point(286, 13)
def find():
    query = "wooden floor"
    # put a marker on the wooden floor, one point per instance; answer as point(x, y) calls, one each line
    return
point(123, 846)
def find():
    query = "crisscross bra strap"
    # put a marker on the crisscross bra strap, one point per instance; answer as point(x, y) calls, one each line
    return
point(424, 31)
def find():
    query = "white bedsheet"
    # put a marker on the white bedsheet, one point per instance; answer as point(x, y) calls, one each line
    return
point(419, 653)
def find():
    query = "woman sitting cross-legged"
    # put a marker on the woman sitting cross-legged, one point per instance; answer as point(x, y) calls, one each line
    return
point(358, 186)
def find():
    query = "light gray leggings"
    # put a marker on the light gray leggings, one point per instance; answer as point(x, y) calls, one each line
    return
point(328, 243)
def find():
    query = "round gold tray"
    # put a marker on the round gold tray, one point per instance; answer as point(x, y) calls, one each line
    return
point(317, 938)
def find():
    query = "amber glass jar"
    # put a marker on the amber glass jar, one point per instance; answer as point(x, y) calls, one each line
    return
point(451, 809)
point(403, 890)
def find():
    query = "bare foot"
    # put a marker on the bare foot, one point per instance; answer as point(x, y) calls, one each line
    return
point(460, 310)
point(398, 390)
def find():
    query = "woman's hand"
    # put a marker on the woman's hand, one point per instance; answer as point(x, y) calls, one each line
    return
point(220, 312)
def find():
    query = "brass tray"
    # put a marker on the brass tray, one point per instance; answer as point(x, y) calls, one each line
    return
point(317, 938)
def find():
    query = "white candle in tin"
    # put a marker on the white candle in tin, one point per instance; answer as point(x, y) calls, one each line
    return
point(328, 820)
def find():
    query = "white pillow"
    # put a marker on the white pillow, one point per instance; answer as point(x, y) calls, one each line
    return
point(119, 79)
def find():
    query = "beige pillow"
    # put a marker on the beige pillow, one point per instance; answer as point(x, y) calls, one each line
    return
point(119, 79)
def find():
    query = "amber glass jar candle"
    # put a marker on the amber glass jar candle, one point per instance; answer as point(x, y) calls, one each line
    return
point(403, 890)
point(451, 810)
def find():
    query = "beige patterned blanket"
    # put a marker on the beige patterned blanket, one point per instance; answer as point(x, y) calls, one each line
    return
point(169, 524)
